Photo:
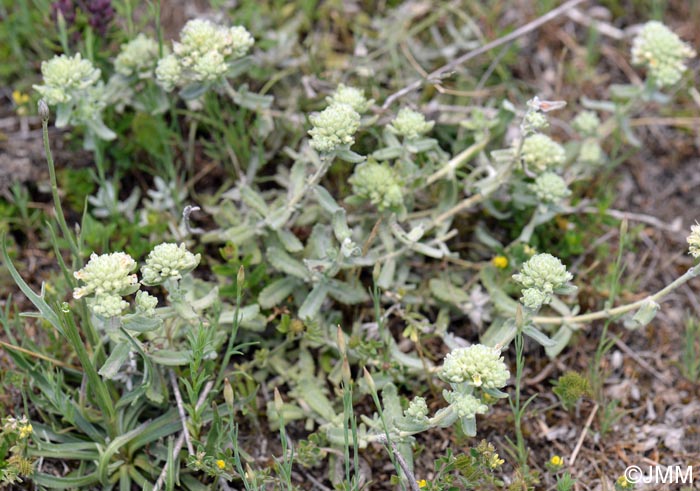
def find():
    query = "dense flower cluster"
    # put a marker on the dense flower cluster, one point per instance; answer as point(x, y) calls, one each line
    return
point(465, 405)
point(417, 410)
point(351, 96)
point(586, 123)
point(108, 277)
point(66, 78)
point(145, 303)
point(379, 184)
point(540, 153)
point(540, 276)
point(334, 127)
point(478, 365)
point(590, 152)
point(410, 124)
point(204, 53)
point(662, 52)
point(550, 188)
point(168, 261)
point(107, 274)
point(137, 57)
point(694, 240)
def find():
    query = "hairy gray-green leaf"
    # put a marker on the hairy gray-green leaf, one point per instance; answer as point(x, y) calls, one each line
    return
point(287, 264)
point(275, 292)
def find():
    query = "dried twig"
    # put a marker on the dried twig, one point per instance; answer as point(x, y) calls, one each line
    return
point(443, 70)
point(577, 449)
point(181, 411)
point(181, 439)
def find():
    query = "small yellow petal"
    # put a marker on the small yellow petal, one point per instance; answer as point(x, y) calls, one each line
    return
point(422, 483)
point(221, 464)
point(501, 262)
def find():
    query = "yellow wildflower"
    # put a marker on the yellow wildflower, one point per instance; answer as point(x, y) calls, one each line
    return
point(19, 98)
point(25, 431)
point(221, 464)
point(422, 483)
point(495, 461)
point(556, 460)
point(623, 483)
point(501, 262)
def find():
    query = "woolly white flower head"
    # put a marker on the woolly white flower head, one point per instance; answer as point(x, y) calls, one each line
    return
point(694, 240)
point(137, 57)
point(168, 261)
point(107, 274)
point(586, 123)
point(417, 410)
point(65, 77)
point(590, 152)
point(352, 96)
point(541, 276)
point(540, 153)
point(379, 184)
point(662, 52)
point(410, 124)
point(550, 188)
point(335, 126)
point(465, 405)
point(478, 365)
point(145, 303)
point(168, 72)
point(107, 305)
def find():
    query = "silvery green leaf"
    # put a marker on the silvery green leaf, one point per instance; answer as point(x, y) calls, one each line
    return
point(629, 133)
point(422, 145)
point(500, 299)
point(246, 314)
point(309, 390)
point(289, 240)
point(500, 333)
point(205, 301)
point(537, 335)
point(287, 264)
point(100, 129)
point(340, 225)
point(561, 340)
point(140, 323)
point(297, 178)
point(386, 276)
point(250, 100)
point(347, 293)
point(193, 91)
point(63, 114)
point(275, 292)
point(116, 359)
point(289, 412)
point(349, 156)
point(392, 404)
point(407, 360)
point(279, 217)
point(444, 421)
point(644, 315)
point(239, 234)
point(348, 249)
point(624, 91)
point(487, 239)
point(416, 233)
point(313, 302)
point(325, 199)
point(447, 292)
point(427, 250)
point(388, 153)
point(493, 392)
point(566, 289)
point(239, 66)
point(170, 358)
point(468, 425)
point(606, 106)
point(254, 200)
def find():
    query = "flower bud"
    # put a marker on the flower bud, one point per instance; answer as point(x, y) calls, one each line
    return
point(228, 393)
point(43, 110)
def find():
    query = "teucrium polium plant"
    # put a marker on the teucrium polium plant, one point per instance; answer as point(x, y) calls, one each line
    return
point(398, 223)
